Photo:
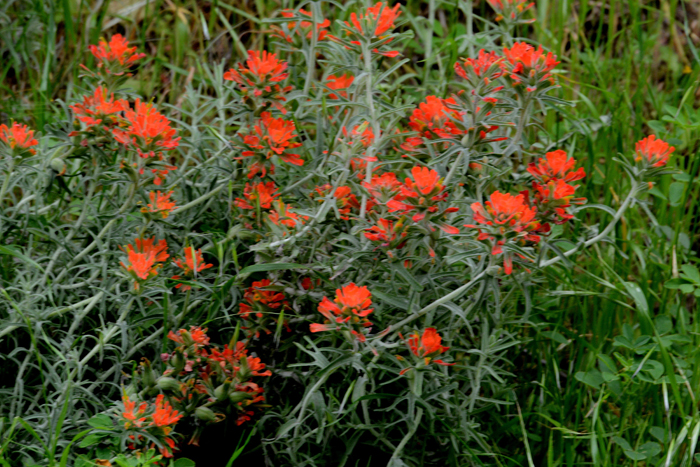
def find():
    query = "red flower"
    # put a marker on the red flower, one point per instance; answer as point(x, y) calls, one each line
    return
point(99, 107)
point(391, 234)
point(160, 204)
point(144, 258)
point(345, 199)
point(19, 138)
point(165, 415)
point(350, 307)
point(529, 66)
point(434, 119)
point(506, 216)
point(195, 336)
point(148, 130)
point(264, 303)
point(261, 76)
point(376, 21)
point(486, 66)
point(270, 137)
point(652, 151)
point(340, 84)
point(281, 215)
point(260, 300)
point(553, 199)
point(426, 347)
point(420, 194)
point(556, 166)
point(305, 27)
point(511, 9)
point(133, 415)
point(115, 55)
point(257, 195)
point(505, 209)
point(383, 187)
point(190, 265)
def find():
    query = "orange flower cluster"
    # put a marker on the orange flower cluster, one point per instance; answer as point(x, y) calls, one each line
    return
point(259, 80)
point(425, 347)
point(529, 67)
point(264, 302)
point(347, 313)
point(157, 420)
point(115, 56)
point(419, 195)
point(257, 195)
point(552, 193)
point(303, 28)
point(270, 137)
point(511, 10)
point(652, 152)
point(18, 138)
point(191, 265)
point(339, 83)
point(97, 109)
point(373, 26)
point(145, 259)
point(522, 218)
point(151, 134)
point(282, 216)
point(211, 374)
point(160, 204)
point(345, 200)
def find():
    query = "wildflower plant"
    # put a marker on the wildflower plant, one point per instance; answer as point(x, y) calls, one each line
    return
point(375, 239)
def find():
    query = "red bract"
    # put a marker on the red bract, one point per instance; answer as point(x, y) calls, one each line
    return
point(282, 216)
point(426, 347)
point(164, 414)
point(257, 195)
point(100, 107)
point(191, 265)
point(346, 201)
point(390, 234)
point(383, 187)
point(270, 137)
point(511, 9)
point(132, 415)
point(144, 258)
point(305, 27)
point(116, 55)
point(148, 130)
point(263, 304)
point(556, 165)
point(19, 138)
point(340, 84)
point(261, 77)
point(196, 336)
point(529, 66)
point(485, 67)
point(553, 199)
point(653, 152)
point(160, 204)
point(348, 311)
point(435, 119)
point(420, 193)
point(375, 21)
point(505, 217)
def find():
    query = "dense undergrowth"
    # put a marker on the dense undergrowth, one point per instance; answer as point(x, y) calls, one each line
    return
point(412, 236)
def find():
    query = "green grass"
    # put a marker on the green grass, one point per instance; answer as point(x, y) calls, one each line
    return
point(632, 70)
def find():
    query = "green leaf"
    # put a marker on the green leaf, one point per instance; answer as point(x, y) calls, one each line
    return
point(675, 193)
point(101, 422)
point(649, 449)
point(8, 250)
point(92, 439)
point(622, 443)
point(184, 462)
point(593, 378)
point(270, 267)
point(691, 273)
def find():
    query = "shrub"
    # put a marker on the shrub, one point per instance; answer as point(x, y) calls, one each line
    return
point(366, 250)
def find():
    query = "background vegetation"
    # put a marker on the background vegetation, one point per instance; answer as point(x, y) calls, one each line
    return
point(632, 67)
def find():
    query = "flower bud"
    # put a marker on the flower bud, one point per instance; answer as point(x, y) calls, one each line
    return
point(58, 166)
point(205, 414)
point(220, 392)
point(238, 396)
point(148, 378)
point(167, 383)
